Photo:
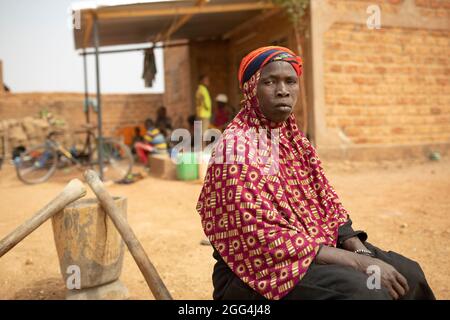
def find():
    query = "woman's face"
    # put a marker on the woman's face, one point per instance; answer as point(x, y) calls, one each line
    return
point(277, 90)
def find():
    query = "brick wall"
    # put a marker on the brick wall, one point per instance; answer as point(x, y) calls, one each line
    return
point(210, 58)
point(427, 8)
point(434, 8)
point(118, 110)
point(388, 86)
point(183, 66)
point(178, 91)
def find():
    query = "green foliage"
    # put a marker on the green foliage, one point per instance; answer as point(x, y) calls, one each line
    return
point(295, 8)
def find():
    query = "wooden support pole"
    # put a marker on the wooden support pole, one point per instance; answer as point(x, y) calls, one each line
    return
point(152, 277)
point(74, 190)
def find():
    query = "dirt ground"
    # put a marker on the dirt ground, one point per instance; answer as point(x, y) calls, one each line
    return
point(404, 207)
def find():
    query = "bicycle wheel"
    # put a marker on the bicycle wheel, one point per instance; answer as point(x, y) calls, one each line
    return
point(117, 160)
point(37, 164)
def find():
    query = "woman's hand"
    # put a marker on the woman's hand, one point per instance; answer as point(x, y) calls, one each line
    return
point(353, 244)
point(391, 279)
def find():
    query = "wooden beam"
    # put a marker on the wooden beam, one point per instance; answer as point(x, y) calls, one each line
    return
point(157, 38)
point(103, 13)
point(252, 22)
point(87, 34)
point(178, 23)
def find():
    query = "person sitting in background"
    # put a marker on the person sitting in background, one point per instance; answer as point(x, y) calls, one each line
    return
point(153, 142)
point(222, 114)
point(136, 138)
point(163, 122)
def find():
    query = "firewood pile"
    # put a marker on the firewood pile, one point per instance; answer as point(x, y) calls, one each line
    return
point(30, 131)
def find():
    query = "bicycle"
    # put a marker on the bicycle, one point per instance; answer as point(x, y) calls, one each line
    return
point(39, 163)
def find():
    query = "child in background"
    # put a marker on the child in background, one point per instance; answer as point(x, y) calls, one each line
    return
point(153, 142)
point(136, 138)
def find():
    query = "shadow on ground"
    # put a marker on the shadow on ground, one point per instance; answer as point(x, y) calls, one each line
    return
point(46, 289)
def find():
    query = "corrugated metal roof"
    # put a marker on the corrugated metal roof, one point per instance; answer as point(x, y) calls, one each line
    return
point(142, 22)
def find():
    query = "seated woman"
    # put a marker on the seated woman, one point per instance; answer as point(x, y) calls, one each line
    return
point(153, 142)
point(285, 234)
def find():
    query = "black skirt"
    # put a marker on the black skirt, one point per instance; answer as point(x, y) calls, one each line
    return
point(329, 281)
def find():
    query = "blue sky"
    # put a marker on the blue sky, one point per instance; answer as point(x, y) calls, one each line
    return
point(37, 50)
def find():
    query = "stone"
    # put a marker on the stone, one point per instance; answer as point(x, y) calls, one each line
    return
point(111, 291)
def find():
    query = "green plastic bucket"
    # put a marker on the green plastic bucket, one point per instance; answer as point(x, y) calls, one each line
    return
point(187, 167)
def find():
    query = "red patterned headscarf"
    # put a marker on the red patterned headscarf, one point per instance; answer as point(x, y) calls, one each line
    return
point(267, 224)
point(258, 58)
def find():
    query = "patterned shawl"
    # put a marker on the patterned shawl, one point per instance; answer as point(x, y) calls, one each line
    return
point(266, 215)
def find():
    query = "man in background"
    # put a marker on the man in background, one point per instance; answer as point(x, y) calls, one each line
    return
point(203, 102)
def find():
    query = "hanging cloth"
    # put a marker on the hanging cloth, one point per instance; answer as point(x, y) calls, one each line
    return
point(149, 68)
